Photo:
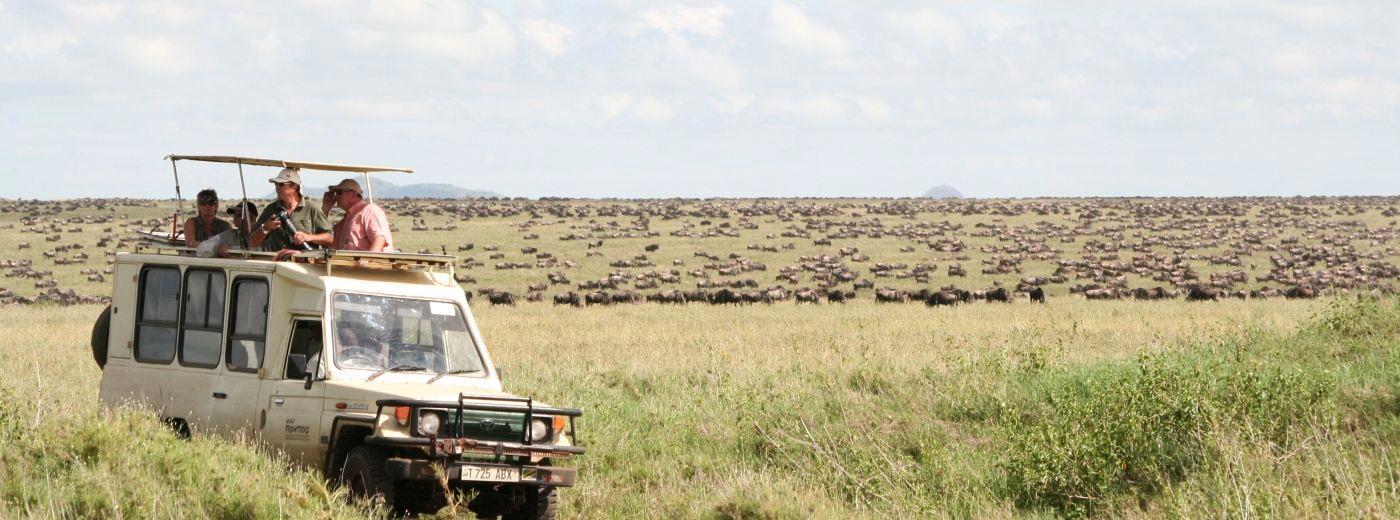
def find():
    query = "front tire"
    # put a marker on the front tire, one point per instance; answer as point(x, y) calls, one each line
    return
point(364, 474)
point(541, 503)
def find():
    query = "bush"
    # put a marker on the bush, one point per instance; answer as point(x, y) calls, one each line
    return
point(1135, 428)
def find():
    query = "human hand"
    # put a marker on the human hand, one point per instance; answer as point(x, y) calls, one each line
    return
point(300, 237)
point(286, 254)
point(271, 225)
point(223, 250)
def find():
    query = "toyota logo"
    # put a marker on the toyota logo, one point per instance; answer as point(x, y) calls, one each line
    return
point(490, 425)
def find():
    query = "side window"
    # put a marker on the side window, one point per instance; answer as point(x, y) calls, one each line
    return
point(304, 354)
point(202, 330)
point(158, 317)
point(247, 332)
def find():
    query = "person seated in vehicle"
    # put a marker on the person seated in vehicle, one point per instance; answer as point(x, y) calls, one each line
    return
point(310, 227)
point(235, 238)
point(357, 348)
point(365, 226)
point(206, 224)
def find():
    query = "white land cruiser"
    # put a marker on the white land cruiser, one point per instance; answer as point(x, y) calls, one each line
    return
point(368, 366)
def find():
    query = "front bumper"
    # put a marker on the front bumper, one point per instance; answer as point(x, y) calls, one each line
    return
point(530, 475)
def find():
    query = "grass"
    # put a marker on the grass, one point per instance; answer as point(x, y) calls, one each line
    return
point(1079, 408)
point(1075, 408)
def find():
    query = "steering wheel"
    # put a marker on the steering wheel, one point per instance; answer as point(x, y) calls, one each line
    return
point(358, 357)
point(397, 351)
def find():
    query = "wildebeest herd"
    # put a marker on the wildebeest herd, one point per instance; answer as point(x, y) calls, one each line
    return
point(582, 253)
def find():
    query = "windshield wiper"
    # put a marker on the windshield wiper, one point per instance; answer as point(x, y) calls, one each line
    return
point(455, 372)
point(395, 368)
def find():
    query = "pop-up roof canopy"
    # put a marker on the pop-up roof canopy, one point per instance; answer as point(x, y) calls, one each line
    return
point(277, 163)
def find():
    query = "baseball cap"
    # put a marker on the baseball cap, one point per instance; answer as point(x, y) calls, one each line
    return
point(347, 185)
point(291, 175)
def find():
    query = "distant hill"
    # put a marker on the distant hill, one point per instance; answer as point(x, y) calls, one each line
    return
point(389, 190)
point(943, 192)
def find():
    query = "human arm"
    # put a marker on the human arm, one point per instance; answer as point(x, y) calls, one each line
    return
point(189, 234)
point(322, 239)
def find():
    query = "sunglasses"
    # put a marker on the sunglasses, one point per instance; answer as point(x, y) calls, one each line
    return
point(208, 203)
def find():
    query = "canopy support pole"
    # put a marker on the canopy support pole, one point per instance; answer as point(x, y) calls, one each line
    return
point(243, 208)
point(179, 201)
point(369, 192)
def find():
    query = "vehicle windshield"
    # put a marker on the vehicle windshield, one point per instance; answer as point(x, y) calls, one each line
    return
point(380, 332)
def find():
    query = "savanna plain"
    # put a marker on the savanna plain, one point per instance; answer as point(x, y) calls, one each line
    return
point(1261, 406)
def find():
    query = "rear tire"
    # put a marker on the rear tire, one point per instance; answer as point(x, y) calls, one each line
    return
point(100, 330)
point(365, 476)
point(541, 503)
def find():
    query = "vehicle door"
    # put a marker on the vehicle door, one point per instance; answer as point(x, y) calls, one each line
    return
point(176, 390)
point(237, 405)
point(192, 382)
point(293, 402)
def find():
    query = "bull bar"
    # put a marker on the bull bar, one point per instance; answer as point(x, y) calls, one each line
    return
point(449, 446)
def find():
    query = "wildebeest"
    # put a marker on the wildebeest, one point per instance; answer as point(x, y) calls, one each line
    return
point(501, 298)
point(1000, 294)
point(568, 298)
point(1037, 295)
point(1200, 294)
point(1298, 292)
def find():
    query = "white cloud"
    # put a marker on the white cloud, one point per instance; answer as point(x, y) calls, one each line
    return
point(652, 109)
point(615, 105)
point(159, 55)
point(713, 69)
point(874, 108)
point(733, 103)
point(929, 26)
point(704, 21)
point(794, 29)
point(91, 13)
point(443, 30)
point(1294, 61)
point(816, 108)
point(682, 55)
point(555, 38)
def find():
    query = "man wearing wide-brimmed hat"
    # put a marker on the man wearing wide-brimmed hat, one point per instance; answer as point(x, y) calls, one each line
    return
point(365, 226)
point(311, 226)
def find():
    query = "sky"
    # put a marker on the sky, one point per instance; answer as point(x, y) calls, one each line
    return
point(708, 99)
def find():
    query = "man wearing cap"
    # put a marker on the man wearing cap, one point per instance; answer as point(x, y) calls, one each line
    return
point(311, 226)
point(365, 226)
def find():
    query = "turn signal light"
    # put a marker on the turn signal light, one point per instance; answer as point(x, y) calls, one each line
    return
point(401, 415)
point(559, 422)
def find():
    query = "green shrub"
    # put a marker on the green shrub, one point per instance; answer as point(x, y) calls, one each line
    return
point(1138, 427)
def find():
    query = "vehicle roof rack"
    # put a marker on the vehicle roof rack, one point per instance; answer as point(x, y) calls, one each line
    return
point(168, 243)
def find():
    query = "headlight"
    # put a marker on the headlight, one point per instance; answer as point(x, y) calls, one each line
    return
point(429, 423)
point(539, 429)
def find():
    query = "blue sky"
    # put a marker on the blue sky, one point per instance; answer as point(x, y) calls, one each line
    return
point(638, 99)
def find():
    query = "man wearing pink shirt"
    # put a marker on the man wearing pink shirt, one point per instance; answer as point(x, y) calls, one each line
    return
point(365, 227)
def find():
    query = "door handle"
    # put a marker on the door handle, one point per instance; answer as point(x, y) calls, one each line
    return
point(220, 395)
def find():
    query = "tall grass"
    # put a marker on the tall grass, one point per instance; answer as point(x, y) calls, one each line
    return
point(1282, 409)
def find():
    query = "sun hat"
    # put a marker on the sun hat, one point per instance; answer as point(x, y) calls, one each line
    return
point(347, 185)
point(291, 175)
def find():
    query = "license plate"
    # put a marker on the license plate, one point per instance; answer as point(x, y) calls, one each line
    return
point(490, 473)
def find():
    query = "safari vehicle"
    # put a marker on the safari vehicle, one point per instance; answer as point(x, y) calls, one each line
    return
point(368, 366)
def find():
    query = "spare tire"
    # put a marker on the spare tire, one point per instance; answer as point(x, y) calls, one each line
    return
point(100, 332)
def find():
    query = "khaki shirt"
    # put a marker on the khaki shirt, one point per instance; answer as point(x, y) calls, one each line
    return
point(306, 218)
